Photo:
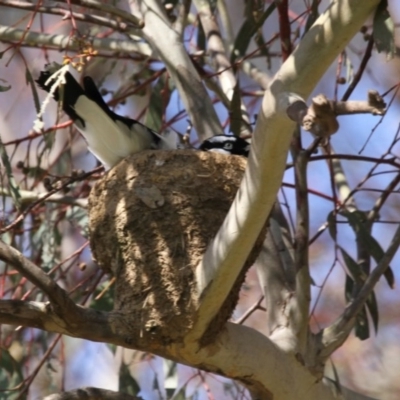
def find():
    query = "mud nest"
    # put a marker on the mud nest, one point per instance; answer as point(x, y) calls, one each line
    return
point(151, 219)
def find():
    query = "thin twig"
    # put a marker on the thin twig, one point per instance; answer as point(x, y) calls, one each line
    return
point(254, 307)
point(36, 275)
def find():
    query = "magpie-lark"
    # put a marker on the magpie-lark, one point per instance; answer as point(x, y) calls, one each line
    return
point(110, 137)
point(227, 145)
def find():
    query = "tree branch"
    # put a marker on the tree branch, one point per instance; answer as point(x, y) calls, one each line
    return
point(272, 369)
point(227, 253)
point(68, 14)
point(284, 28)
point(320, 118)
point(302, 294)
point(63, 42)
point(277, 275)
point(57, 296)
point(217, 52)
point(30, 197)
point(168, 44)
point(269, 375)
point(118, 13)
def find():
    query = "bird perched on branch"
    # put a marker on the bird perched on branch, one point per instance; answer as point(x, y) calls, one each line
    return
point(226, 144)
point(110, 137)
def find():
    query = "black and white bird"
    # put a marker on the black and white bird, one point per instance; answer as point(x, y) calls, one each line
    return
point(226, 144)
point(110, 137)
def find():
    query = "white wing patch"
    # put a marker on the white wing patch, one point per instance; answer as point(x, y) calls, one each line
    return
point(222, 138)
point(108, 140)
point(169, 141)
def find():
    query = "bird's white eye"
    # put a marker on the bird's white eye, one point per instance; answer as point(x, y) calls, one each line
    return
point(228, 146)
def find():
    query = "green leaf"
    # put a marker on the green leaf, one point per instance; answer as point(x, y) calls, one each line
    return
point(31, 82)
point(332, 226)
point(373, 310)
point(14, 189)
point(235, 111)
point(159, 99)
point(180, 395)
point(44, 240)
point(213, 5)
point(247, 31)
point(312, 16)
point(10, 375)
point(336, 381)
point(201, 40)
point(348, 288)
point(4, 88)
point(35, 172)
point(361, 325)
point(356, 272)
point(78, 216)
point(389, 276)
point(357, 222)
point(383, 30)
point(126, 382)
point(262, 48)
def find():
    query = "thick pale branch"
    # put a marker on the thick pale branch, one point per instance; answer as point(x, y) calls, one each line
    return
point(82, 322)
point(216, 50)
point(117, 12)
point(285, 377)
point(226, 23)
point(168, 44)
point(272, 374)
point(256, 74)
point(31, 314)
point(64, 42)
point(277, 275)
point(299, 74)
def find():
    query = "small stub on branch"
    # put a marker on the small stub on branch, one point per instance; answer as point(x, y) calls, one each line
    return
point(320, 118)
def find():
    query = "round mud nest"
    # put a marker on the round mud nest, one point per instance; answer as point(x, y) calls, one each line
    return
point(151, 219)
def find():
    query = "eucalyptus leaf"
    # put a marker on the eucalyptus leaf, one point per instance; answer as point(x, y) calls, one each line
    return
point(372, 307)
point(4, 88)
point(14, 189)
point(127, 384)
point(159, 99)
point(10, 375)
point(361, 325)
point(247, 31)
point(383, 30)
point(357, 222)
